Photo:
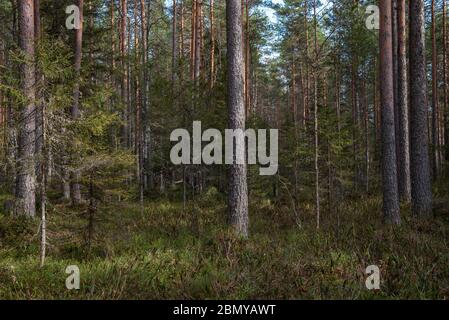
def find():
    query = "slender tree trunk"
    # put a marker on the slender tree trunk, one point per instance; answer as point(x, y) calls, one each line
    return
point(113, 50)
point(26, 177)
point(75, 187)
point(377, 111)
point(366, 138)
point(43, 191)
point(75, 111)
point(39, 102)
point(355, 123)
point(174, 44)
point(338, 95)
point(307, 88)
point(395, 38)
point(41, 152)
point(403, 110)
point(446, 82)
point(138, 103)
point(145, 146)
point(129, 105)
point(193, 40)
point(419, 135)
point(113, 30)
point(238, 189)
point(198, 40)
point(124, 87)
point(389, 171)
point(316, 161)
point(294, 113)
point(212, 45)
point(316, 127)
point(435, 107)
point(247, 61)
point(181, 33)
point(2, 107)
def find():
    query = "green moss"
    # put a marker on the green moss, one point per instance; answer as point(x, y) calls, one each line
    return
point(161, 254)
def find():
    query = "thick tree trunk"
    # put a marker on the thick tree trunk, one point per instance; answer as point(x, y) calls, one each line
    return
point(419, 135)
point(238, 189)
point(26, 178)
point(403, 109)
point(389, 172)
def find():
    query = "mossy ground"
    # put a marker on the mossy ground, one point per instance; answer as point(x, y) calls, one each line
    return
point(162, 253)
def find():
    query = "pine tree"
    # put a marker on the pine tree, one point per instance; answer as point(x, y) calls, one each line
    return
point(419, 135)
point(238, 190)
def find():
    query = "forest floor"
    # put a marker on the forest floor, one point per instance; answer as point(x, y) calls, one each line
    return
point(162, 253)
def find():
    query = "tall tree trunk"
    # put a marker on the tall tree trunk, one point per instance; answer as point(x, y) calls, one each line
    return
point(446, 83)
point(395, 38)
point(129, 108)
point(41, 152)
point(355, 121)
point(419, 135)
point(247, 61)
point(212, 45)
point(366, 137)
point(181, 31)
point(26, 178)
point(113, 50)
point(2, 106)
point(198, 42)
point(113, 30)
point(435, 107)
point(139, 88)
point(389, 172)
point(377, 111)
point(75, 187)
point(43, 191)
point(143, 110)
point(403, 110)
point(124, 87)
point(192, 40)
point(316, 132)
point(146, 146)
point(174, 45)
point(307, 86)
point(238, 189)
point(338, 95)
point(39, 102)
